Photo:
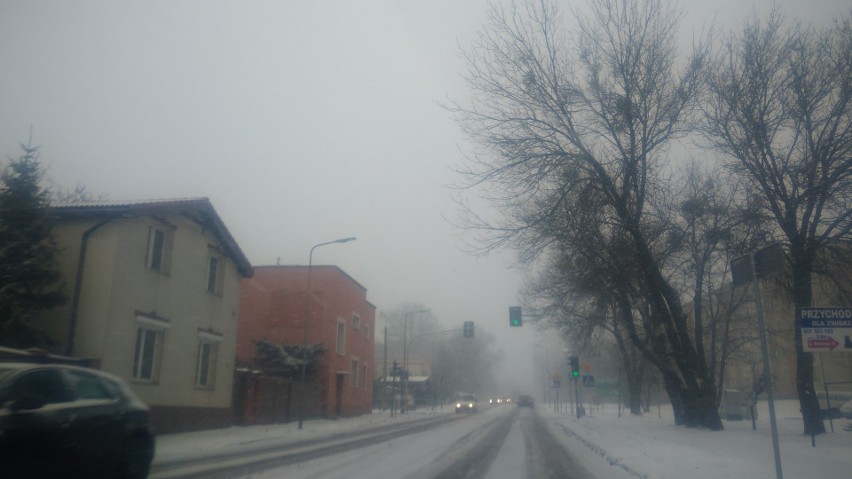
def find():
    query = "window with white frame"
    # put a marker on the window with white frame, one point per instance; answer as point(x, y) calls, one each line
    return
point(215, 274)
point(353, 372)
point(205, 363)
point(356, 321)
point(150, 333)
point(159, 251)
point(145, 359)
point(366, 331)
point(340, 347)
point(364, 375)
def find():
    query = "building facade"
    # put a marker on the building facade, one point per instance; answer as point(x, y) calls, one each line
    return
point(832, 369)
point(272, 308)
point(154, 297)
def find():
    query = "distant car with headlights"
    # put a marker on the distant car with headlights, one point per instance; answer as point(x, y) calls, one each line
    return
point(66, 421)
point(526, 401)
point(466, 403)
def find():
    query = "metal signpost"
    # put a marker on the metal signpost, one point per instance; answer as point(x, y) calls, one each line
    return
point(557, 384)
point(750, 269)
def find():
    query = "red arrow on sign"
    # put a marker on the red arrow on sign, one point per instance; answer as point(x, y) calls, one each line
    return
point(829, 343)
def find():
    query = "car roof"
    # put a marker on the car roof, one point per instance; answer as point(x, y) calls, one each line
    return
point(18, 366)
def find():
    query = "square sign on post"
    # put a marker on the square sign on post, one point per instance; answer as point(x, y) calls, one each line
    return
point(467, 330)
point(516, 318)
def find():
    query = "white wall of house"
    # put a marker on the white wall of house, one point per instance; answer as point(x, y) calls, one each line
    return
point(121, 293)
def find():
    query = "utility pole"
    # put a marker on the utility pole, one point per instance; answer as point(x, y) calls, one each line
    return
point(385, 371)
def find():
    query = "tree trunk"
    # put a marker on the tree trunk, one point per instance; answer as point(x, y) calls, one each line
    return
point(634, 394)
point(695, 390)
point(672, 386)
point(802, 297)
point(632, 361)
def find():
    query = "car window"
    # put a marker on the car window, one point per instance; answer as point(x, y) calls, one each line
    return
point(45, 384)
point(90, 386)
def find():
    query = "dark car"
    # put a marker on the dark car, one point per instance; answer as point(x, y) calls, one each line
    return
point(525, 401)
point(66, 421)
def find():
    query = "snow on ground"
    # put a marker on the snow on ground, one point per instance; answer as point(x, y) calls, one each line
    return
point(653, 447)
point(610, 447)
point(188, 445)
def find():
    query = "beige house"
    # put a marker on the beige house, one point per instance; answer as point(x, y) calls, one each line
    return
point(833, 367)
point(154, 290)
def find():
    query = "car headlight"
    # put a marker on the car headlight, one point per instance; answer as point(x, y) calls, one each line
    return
point(470, 405)
point(458, 404)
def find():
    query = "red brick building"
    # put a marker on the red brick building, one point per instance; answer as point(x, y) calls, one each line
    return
point(272, 307)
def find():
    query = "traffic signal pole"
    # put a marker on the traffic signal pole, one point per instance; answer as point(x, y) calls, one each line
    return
point(574, 362)
point(577, 398)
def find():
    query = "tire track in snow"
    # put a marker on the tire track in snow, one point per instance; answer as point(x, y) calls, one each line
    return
point(613, 461)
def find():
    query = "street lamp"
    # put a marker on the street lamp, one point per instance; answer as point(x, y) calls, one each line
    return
point(405, 356)
point(307, 315)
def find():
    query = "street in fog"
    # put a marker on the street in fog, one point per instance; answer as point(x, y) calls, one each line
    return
point(500, 442)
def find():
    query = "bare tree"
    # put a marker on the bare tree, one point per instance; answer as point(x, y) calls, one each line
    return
point(584, 293)
point(80, 194)
point(558, 121)
point(711, 218)
point(779, 105)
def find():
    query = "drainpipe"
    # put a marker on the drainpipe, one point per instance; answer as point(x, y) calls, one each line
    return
point(78, 286)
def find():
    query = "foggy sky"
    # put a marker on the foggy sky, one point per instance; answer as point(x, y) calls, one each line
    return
point(302, 121)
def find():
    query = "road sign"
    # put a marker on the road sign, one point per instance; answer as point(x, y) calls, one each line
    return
point(467, 330)
point(825, 330)
point(588, 381)
point(766, 261)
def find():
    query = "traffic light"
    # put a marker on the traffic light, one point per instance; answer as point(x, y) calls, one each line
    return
point(516, 318)
point(467, 332)
point(574, 362)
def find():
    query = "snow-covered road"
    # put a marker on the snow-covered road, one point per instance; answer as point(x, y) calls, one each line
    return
point(497, 443)
point(604, 445)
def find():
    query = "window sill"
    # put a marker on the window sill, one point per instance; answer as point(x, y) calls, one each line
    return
point(145, 382)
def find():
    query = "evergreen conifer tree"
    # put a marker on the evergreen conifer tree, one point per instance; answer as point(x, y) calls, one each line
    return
point(29, 277)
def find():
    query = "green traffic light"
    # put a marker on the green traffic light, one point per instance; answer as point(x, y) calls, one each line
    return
point(575, 374)
point(516, 317)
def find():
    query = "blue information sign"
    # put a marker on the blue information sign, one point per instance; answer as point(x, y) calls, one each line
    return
point(825, 329)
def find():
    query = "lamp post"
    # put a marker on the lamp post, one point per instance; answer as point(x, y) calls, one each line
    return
point(307, 315)
point(405, 357)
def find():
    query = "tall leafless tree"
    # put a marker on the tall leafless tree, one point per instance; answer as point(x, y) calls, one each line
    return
point(560, 121)
point(710, 219)
point(580, 297)
point(780, 105)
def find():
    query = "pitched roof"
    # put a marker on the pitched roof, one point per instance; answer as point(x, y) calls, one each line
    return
point(199, 208)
